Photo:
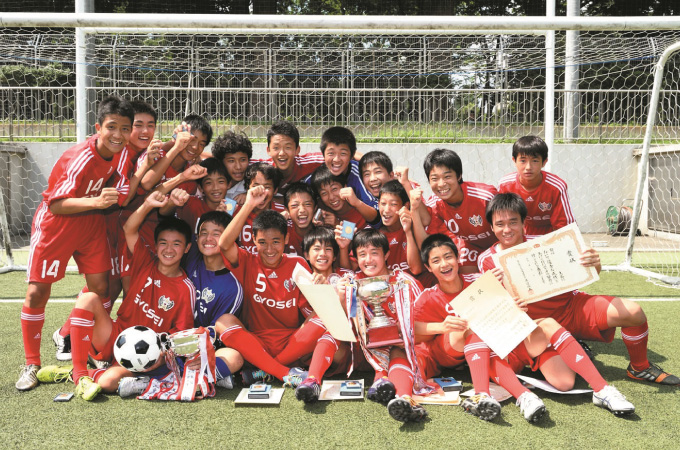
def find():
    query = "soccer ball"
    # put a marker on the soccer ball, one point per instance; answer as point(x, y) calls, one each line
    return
point(137, 348)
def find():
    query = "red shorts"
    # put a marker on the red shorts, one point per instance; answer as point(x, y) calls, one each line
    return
point(57, 237)
point(519, 358)
point(275, 340)
point(585, 317)
point(437, 353)
point(106, 353)
point(112, 234)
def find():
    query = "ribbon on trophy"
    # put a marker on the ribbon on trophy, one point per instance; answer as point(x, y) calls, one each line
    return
point(196, 346)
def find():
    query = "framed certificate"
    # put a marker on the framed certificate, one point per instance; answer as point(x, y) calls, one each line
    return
point(546, 266)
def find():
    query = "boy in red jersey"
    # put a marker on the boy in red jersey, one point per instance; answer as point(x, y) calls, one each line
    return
point(273, 304)
point(457, 207)
point(591, 317)
point(544, 193)
point(161, 297)
point(69, 222)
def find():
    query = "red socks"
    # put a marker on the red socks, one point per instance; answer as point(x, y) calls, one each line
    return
point(477, 357)
point(323, 356)
point(635, 339)
point(576, 358)
point(252, 351)
point(32, 321)
point(401, 375)
point(506, 377)
point(82, 327)
point(302, 342)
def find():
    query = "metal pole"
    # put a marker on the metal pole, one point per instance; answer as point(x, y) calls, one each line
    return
point(571, 77)
point(549, 104)
point(643, 168)
point(84, 76)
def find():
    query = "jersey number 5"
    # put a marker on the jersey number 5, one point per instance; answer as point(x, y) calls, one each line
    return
point(260, 285)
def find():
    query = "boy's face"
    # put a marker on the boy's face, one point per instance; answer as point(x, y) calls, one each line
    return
point(444, 183)
point(208, 238)
point(374, 176)
point(330, 196)
point(508, 228)
point(170, 247)
point(337, 158)
point(215, 188)
point(195, 146)
point(389, 207)
point(301, 209)
point(114, 134)
point(320, 256)
point(282, 150)
point(443, 264)
point(143, 129)
point(529, 168)
point(372, 260)
point(236, 164)
point(270, 245)
point(260, 180)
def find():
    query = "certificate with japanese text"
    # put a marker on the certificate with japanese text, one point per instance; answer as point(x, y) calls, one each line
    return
point(546, 266)
point(493, 315)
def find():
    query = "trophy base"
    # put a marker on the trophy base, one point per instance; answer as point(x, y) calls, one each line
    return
point(383, 337)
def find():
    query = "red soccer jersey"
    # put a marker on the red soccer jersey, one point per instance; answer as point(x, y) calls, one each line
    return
point(192, 210)
point(155, 301)
point(397, 259)
point(354, 216)
point(547, 206)
point(537, 310)
point(466, 221)
point(304, 166)
point(433, 304)
point(414, 288)
point(190, 186)
point(271, 298)
point(246, 239)
point(294, 246)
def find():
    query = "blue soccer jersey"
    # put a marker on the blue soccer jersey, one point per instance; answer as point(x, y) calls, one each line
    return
point(217, 293)
point(354, 181)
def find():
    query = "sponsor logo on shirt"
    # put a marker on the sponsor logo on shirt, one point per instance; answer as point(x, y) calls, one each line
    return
point(530, 199)
point(207, 295)
point(544, 206)
point(272, 275)
point(165, 303)
point(157, 283)
point(394, 241)
point(458, 216)
point(476, 220)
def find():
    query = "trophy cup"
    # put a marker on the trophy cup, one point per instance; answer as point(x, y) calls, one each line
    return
point(184, 343)
point(382, 330)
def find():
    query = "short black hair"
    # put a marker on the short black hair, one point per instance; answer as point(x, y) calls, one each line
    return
point(445, 158)
point(370, 236)
point(299, 187)
point(141, 107)
point(434, 241)
point(201, 124)
point(219, 218)
point(213, 165)
point(270, 220)
point(284, 128)
point(113, 105)
point(322, 176)
point(508, 201)
point(375, 157)
point(323, 235)
point(338, 136)
point(394, 187)
point(230, 142)
point(267, 170)
point(173, 224)
point(530, 146)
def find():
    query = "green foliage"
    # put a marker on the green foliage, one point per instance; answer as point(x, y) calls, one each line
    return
point(49, 75)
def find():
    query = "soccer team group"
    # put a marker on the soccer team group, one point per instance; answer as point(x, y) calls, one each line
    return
point(210, 239)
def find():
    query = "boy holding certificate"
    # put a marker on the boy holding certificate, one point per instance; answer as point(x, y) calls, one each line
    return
point(592, 317)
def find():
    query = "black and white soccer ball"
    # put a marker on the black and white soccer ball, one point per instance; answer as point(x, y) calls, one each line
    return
point(137, 348)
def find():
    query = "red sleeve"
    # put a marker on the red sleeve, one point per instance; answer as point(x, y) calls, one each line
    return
point(239, 271)
point(485, 262)
point(185, 316)
point(71, 178)
point(142, 255)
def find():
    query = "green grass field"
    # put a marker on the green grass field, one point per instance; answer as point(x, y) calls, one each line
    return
point(33, 420)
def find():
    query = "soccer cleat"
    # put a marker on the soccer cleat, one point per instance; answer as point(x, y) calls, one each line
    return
point(97, 364)
point(63, 345)
point(653, 374)
point(308, 391)
point(132, 386)
point(29, 378)
point(226, 382)
point(381, 391)
point(405, 409)
point(483, 406)
point(587, 349)
point(87, 389)
point(609, 397)
point(54, 374)
point(531, 406)
point(250, 376)
point(295, 377)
